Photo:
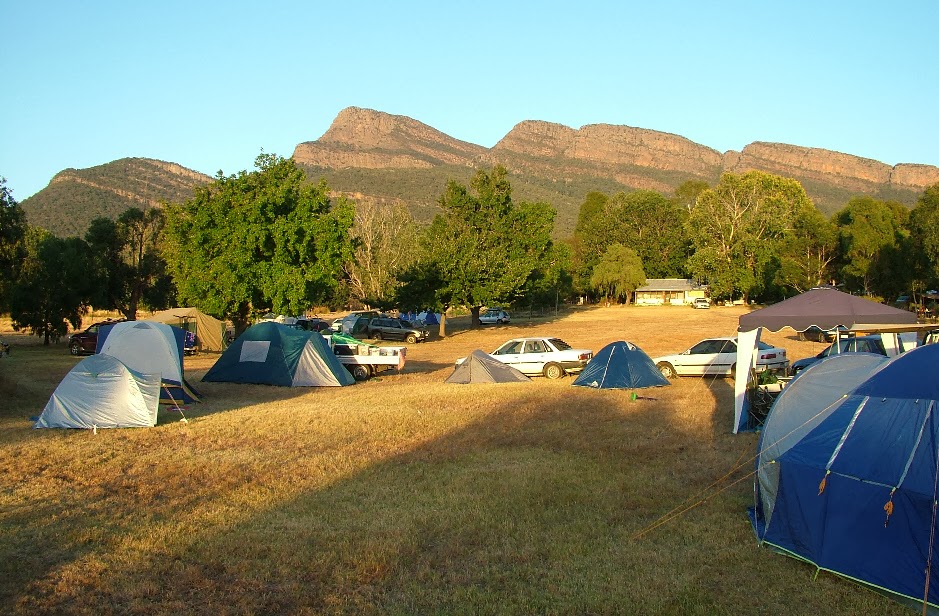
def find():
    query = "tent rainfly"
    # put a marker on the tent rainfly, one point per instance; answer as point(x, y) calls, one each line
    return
point(101, 392)
point(846, 479)
point(620, 365)
point(480, 367)
point(822, 307)
point(150, 348)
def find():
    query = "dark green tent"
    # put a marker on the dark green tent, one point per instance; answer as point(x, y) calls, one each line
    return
point(275, 354)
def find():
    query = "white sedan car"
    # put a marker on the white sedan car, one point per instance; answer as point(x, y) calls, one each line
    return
point(718, 356)
point(551, 357)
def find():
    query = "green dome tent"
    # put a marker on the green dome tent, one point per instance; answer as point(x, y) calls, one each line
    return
point(274, 354)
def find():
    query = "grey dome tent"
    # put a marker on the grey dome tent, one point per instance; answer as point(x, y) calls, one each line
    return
point(620, 365)
point(274, 354)
point(480, 367)
point(101, 392)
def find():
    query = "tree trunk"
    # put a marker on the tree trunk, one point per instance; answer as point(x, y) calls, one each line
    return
point(442, 330)
point(240, 319)
point(474, 318)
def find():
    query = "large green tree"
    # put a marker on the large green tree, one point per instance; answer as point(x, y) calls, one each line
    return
point(259, 241)
point(735, 228)
point(870, 234)
point(654, 227)
point(53, 287)
point(483, 247)
point(12, 232)
point(807, 251)
point(924, 237)
point(618, 274)
point(128, 268)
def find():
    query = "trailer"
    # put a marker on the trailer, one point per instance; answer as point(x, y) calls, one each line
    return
point(366, 360)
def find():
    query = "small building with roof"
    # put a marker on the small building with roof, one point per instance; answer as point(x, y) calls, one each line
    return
point(669, 292)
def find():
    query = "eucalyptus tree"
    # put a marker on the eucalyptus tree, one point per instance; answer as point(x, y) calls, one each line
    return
point(735, 228)
point(385, 244)
point(870, 236)
point(127, 266)
point(924, 237)
point(259, 241)
point(654, 227)
point(52, 289)
point(482, 249)
point(807, 251)
point(12, 231)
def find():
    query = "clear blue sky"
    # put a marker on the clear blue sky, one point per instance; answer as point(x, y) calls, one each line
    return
point(209, 85)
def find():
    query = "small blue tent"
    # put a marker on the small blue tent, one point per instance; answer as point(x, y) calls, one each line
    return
point(274, 354)
point(852, 488)
point(620, 365)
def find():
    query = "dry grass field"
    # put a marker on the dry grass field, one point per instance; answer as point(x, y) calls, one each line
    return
point(404, 495)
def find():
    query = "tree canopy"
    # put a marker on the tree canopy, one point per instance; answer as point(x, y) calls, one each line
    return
point(126, 264)
point(618, 273)
point(735, 227)
point(483, 247)
point(52, 289)
point(12, 232)
point(259, 241)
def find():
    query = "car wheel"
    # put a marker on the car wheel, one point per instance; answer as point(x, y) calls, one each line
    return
point(553, 371)
point(667, 370)
point(377, 336)
point(411, 339)
point(733, 372)
point(361, 373)
point(500, 321)
point(75, 348)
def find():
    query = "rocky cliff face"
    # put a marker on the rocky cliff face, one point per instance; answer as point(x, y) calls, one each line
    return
point(631, 158)
point(842, 170)
point(388, 158)
point(374, 140)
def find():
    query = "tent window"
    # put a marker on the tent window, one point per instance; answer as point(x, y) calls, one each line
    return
point(255, 350)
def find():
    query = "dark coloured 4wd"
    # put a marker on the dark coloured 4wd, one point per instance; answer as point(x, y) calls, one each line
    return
point(85, 342)
point(385, 328)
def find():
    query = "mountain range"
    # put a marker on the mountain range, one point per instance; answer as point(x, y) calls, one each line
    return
point(375, 156)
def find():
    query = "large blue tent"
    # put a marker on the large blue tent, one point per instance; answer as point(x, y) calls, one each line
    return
point(852, 489)
point(620, 365)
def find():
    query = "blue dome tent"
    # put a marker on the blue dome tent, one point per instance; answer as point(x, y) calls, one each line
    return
point(620, 365)
point(852, 487)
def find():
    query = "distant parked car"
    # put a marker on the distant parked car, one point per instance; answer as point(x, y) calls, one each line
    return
point(85, 342)
point(718, 356)
point(701, 303)
point(356, 323)
point(313, 325)
point(385, 328)
point(820, 335)
point(551, 357)
point(495, 315)
point(860, 344)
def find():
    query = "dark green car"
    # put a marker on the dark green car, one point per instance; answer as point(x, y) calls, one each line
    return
point(386, 328)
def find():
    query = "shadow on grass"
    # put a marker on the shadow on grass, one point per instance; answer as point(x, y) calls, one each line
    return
point(530, 508)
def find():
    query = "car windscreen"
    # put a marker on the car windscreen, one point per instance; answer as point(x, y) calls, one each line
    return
point(559, 344)
point(763, 346)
